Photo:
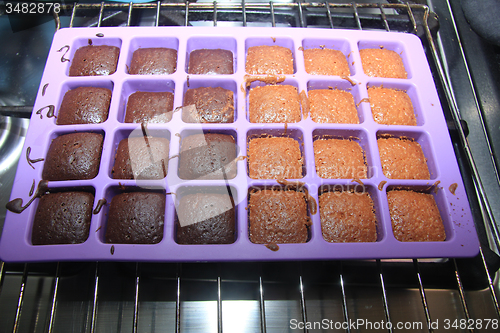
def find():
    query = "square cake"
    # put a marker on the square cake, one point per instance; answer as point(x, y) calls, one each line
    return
point(149, 107)
point(415, 217)
point(92, 60)
point(208, 156)
point(277, 217)
point(347, 217)
point(84, 105)
point(323, 61)
point(274, 104)
point(73, 156)
point(332, 106)
point(136, 218)
point(153, 61)
point(211, 61)
point(208, 105)
point(402, 158)
point(269, 60)
point(141, 158)
point(205, 218)
point(391, 106)
point(274, 158)
point(62, 218)
point(339, 158)
point(382, 63)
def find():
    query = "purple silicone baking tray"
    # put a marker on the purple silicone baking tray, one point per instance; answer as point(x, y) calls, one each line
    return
point(431, 132)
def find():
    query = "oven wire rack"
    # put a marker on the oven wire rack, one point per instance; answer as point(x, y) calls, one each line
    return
point(410, 18)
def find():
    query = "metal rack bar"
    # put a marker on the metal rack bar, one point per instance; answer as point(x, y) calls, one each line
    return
point(384, 295)
point(129, 16)
point(136, 298)
point(244, 12)
point(219, 305)
point(422, 295)
point(101, 11)
point(262, 307)
point(178, 302)
point(491, 287)
point(54, 300)
point(157, 18)
point(384, 18)
point(356, 15)
point(462, 294)
point(344, 299)
point(20, 299)
point(273, 19)
point(2, 275)
point(301, 15)
point(302, 302)
point(186, 17)
point(329, 12)
point(215, 13)
point(94, 303)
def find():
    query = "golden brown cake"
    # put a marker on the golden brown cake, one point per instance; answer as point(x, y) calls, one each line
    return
point(347, 217)
point(332, 106)
point(415, 217)
point(153, 61)
point(338, 158)
point(322, 61)
point(274, 158)
point(402, 159)
point(391, 106)
point(382, 63)
point(149, 107)
point(269, 60)
point(274, 104)
point(278, 217)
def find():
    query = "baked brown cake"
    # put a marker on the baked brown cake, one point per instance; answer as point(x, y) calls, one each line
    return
point(274, 104)
point(207, 156)
point(149, 107)
point(274, 158)
point(153, 61)
point(95, 60)
point(271, 60)
point(73, 156)
point(208, 105)
point(141, 158)
point(323, 61)
point(347, 217)
point(136, 218)
point(391, 106)
point(415, 217)
point(205, 218)
point(382, 63)
point(337, 158)
point(84, 105)
point(211, 61)
point(402, 159)
point(62, 218)
point(278, 217)
point(332, 106)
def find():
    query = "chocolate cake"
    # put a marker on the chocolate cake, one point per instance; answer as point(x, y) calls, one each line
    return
point(277, 216)
point(274, 158)
point(347, 217)
point(84, 105)
point(149, 107)
point(141, 158)
point(402, 159)
point(208, 105)
point(415, 217)
point(270, 60)
point(211, 61)
point(153, 61)
point(274, 104)
point(205, 218)
point(207, 156)
point(136, 218)
point(92, 60)
point(338, 158)
point(62, 218)
point(332, 106)
point(382, 63)
point(73, 156)
point(323, 61)
point(391, 106)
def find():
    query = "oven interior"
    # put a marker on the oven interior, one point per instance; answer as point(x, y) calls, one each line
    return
point(267, 296)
